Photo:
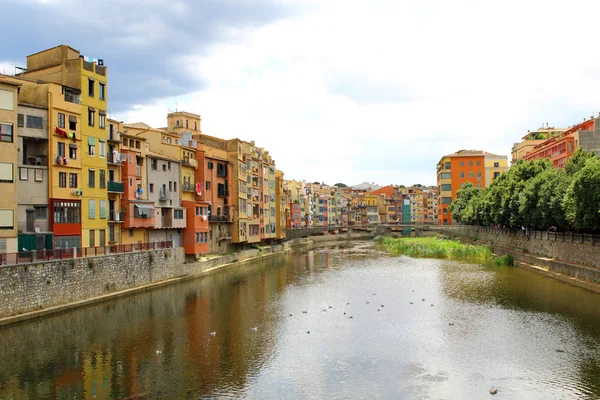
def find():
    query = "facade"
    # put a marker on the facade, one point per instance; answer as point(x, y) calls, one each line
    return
point(84, 84)
point(114, 186)
point(531, 140)
point(32, 177)
point(560, 147)
point(453, 170)
point(9, 95)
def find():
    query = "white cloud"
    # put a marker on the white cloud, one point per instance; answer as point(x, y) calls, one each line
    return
point(379, 91)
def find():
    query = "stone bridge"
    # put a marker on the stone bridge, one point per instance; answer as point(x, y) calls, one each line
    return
point(377, 229)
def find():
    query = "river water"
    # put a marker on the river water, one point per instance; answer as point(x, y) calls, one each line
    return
point(381, 326)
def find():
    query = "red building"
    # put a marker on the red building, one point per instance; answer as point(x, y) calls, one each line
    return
point(559, 148)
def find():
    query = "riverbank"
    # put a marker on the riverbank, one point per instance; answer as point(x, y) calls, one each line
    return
point(41, 289)
point(539, 256)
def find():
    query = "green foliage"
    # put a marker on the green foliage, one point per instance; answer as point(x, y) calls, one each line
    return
point(431, 247)
point(504, 261)
point(535, 195)
point(342, 185)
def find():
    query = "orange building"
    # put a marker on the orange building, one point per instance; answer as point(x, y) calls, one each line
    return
point(453, 170)
point(559, 148)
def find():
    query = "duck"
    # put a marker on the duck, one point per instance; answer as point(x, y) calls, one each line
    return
point(307, 331)
point(158, 352)
point(493, 390)
point(291, 315)
point(304, 312)
point(213, 334)
point(254, 329)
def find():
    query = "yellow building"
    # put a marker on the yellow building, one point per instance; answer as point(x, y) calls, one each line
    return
point(84, 81)
point(114, 186)
point(63, 157)
point(9, 93)
point(282, 205)
point(532, 139)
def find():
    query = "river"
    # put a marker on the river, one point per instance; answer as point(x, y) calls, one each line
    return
point(332, 323)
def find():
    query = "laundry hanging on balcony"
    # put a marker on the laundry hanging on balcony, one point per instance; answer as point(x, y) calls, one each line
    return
point(199, 188)
point(61, 133)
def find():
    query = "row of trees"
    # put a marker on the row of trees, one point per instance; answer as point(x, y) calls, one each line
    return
point(533, 194)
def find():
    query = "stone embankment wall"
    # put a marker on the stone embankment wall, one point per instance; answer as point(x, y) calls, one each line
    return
point(571, 252)
point(37, 286)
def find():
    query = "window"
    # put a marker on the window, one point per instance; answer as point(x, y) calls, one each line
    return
point(496, 174)
point(198, 211)
point(446, 187)
point(221, 170)
point(91, 115)
point(61, 149)
point(72, 122)
point(62, 179)
point(73, 151)
point(478, 162)
point(479, 174)
point(169, 140)
point(169, 165)
point(34, 122)
point(67, 212)
point(201, 237)
point(102, 149)
point(7, 219)
point(210, 165)
point(207, 186)
point(91, 178)
point(174, 186)
point(61, 120)
point(178, 214)
point(137, 144)
point(6, 172)
point(195, 125)
point(102, 236)
point(40, 212)
point(130, 232)
point(470, 174)
point(164, 167)
point(102, 206)
point(91, 149)
point(462, 174)
point(186, 123)
point(154, 164)
point(91, 87)
point(170, 186)
point(20, 120)
point(92, 238)
point(23, 174)
point(102, 179)
point(102, 120)
point(462, 163)
point(92, 208)
point(152, 188)
point(72, 180)
point(446, 200)
point(496, 165)
point(479, 186)
point(470, 163)
point(39, 175)
point(6, 132)
point(102, 90)
point(7, 101)
point(447, 165)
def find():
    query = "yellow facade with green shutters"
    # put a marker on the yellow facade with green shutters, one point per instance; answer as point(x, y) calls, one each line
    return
point(94, 171)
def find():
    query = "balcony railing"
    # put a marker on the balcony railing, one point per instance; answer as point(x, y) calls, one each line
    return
point(188, 187)
point(219, 218)
point(190, 162)
point(116, 216)
point(165, 195)
point(223, 193)
point(72, 98)
point(116, 187)
point(114, 136)
point(113, 158)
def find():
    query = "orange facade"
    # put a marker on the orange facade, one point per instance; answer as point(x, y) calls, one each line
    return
point(195, 234)
point(467, 169)
point(559, 148)
point(387, 190)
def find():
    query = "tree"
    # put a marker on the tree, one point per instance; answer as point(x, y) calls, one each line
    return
point(464, 195)
point(582, 198)
point(340, 185)
point(578, 160)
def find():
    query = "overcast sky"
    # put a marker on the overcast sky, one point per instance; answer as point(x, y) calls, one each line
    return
point(337, 91)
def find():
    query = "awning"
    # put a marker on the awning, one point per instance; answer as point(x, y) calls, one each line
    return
point(91, 141)
point(92, 109)
point(102, 140)
point(101, 112)
point(72, 146)
point(72, 118)
point(144, 207)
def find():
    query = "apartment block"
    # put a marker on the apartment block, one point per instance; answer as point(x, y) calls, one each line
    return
point(453, 170)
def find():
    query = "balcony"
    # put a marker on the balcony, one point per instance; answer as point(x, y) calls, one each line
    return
point(116, 187)
point(113, 158)
point(72, 97)
point(164, 195)
point(116, 216)
point(219, 218)
point(190, 162)
point(188, 187)
point(114, 136)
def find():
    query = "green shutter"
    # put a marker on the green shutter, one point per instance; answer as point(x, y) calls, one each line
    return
point(91, 141)
point(102, 208)
point(92, 209)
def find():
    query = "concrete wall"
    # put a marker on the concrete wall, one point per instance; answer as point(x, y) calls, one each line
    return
point(561, 249)
point(30, 287)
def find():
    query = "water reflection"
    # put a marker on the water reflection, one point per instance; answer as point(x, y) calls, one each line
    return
point(476, 327)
